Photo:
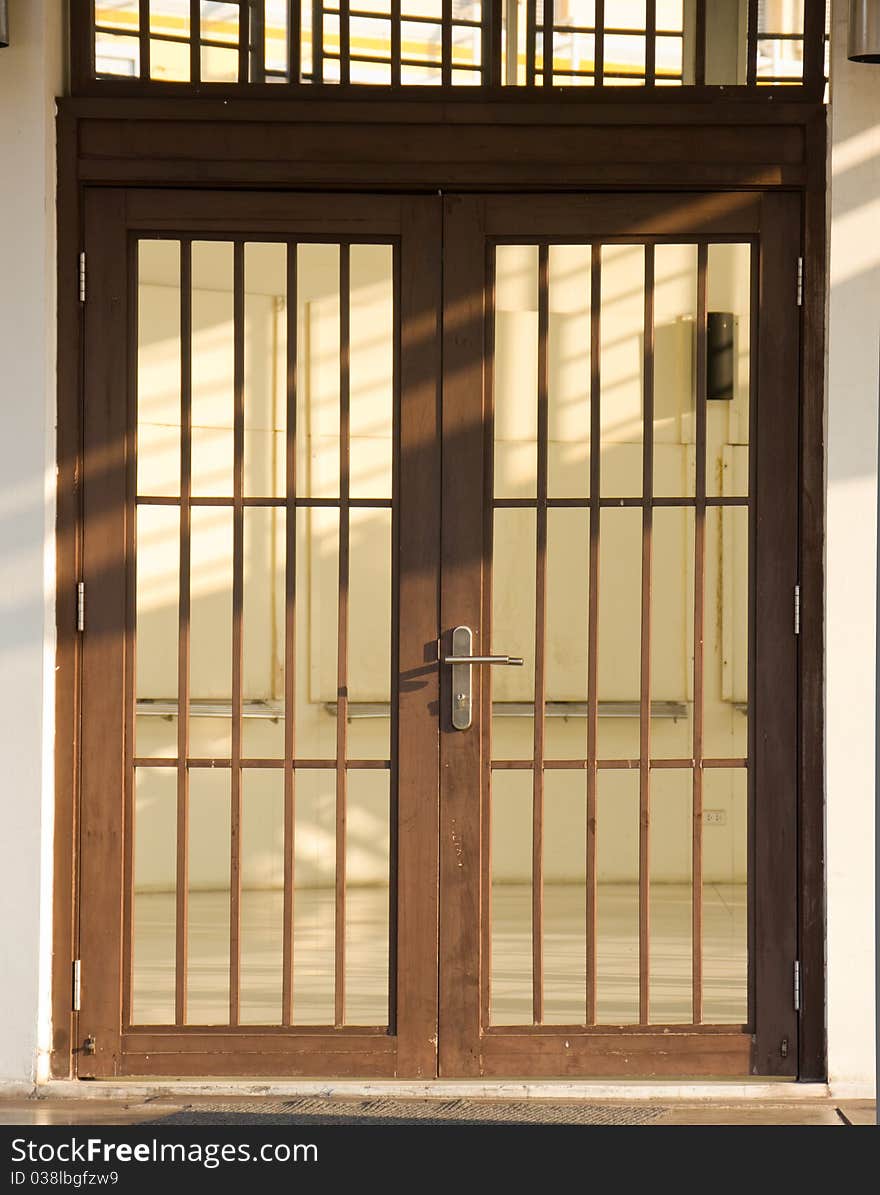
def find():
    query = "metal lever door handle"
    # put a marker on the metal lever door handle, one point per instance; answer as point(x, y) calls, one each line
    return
point(462, 685)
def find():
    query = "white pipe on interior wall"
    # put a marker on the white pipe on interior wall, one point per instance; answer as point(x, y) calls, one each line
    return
point(864, 31)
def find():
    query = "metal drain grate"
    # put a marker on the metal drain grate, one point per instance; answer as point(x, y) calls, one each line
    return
point(317, 1111)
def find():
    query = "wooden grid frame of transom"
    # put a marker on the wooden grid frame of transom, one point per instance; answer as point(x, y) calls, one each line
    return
point(492, 73)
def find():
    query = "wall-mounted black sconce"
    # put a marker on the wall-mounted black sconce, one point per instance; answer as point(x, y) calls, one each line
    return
point(720, 355)
point(864, 31)
point(4, 23)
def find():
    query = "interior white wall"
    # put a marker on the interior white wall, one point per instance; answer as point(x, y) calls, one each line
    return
point(853, 396)
point(30, 78)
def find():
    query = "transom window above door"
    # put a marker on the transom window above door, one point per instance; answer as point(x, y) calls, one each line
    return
point(599, 44)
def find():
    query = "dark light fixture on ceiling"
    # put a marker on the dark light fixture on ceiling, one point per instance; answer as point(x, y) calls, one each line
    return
point(4, 23)
point(864, 31)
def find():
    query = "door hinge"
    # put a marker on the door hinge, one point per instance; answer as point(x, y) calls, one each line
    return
point(76, 1001)
point(81, 606)
point(800, 282)
point(797, 609)
point(82, 276)
point(797, 986)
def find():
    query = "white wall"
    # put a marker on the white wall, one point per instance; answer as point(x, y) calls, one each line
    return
point(853, 397)
point(30, 77)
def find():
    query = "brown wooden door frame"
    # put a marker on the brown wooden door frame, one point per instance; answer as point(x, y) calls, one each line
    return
point(113, 218)
point(768, 1044)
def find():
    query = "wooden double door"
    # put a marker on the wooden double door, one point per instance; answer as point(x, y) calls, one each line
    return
point(334, 444)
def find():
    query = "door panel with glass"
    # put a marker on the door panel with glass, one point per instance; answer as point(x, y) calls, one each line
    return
point(261, 783)
point(624, 801)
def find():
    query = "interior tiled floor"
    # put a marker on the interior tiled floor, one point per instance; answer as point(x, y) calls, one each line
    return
point(617, 962)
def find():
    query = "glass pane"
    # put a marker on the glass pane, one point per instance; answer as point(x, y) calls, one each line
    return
point(213, 368)
point(516, 370)
point(466, 39)
point(670, 14)
point(513, 633)
point(672, 633)
point(669, 60)
point(781, 41)
point(263, 615)
point(369, 633)
point(511, 896)
point(375, 73)
point(367, 897)
point(726, 42)
point(317, 632)
point(262, 896)
point(420, 42)
point(170, 17)
point(622, 348)
point(265, 369)
point(118, 14)
point(617, 898)
point(210, 645)
point(219, 65)
point(619, 632)
point(574, 59)
point(277, 26)
point(726, 639)
point(157, 595)
point(158, 377)
point(314, 902)
point(116, 54)
point(624, 59)
point(370, 37)
point(208, 911)
point(154, 899)
point(728, 370)
point(625, 14)
point(422, 8)
point(566, 652)
point(219, 21)
point(671, 898)
point(675, 321)
point(421, 76)
point(170, 59)
point(318, 382)
point(371, 357)
point(306, 43)
point(565, 900)
point(725, 896)
point(568, 361)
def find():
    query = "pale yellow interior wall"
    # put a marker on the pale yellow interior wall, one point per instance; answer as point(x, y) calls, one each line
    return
point(316, 610)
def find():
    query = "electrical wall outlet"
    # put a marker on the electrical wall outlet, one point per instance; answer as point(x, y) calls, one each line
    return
point(715, 817)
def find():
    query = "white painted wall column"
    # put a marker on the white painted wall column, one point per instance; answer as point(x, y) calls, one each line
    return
point(853, 399)
point(30, 78)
